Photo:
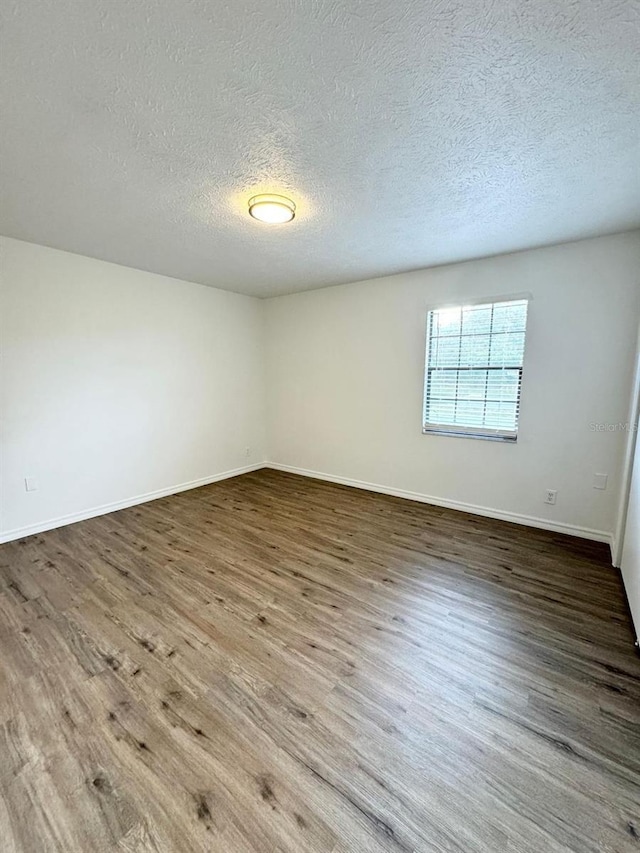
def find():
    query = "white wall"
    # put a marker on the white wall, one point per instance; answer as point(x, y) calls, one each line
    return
point(628, 529)
point(628, 458)
point(345, 375)
point(116, 383)
point(631, 551)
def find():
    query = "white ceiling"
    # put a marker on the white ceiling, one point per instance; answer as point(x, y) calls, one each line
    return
point(409, 132)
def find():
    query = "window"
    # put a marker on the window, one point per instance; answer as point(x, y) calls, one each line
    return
point(473, 369)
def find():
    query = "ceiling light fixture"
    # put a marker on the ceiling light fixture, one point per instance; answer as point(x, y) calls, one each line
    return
point(272, 209)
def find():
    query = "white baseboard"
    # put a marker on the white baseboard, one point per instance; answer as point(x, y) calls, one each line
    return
point(527, 520)
point(615, 551)
point(474, 509)
point(63, 520)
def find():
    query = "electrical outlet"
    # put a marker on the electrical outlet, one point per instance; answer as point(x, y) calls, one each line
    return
point(550, 496)
point(247, 452)
point(30, 484)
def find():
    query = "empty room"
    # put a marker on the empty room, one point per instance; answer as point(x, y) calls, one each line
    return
point(319, 397)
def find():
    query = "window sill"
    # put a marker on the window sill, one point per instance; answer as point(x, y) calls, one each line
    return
point(507, 439)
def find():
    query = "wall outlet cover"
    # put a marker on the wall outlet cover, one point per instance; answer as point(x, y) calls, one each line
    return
point(600, 481)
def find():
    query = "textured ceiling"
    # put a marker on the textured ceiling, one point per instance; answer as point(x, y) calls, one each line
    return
point(409, 132)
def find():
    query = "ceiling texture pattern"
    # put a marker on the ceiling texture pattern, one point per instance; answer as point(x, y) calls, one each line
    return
point(409, 132)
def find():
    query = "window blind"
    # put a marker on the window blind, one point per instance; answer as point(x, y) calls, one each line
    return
point(473, 375)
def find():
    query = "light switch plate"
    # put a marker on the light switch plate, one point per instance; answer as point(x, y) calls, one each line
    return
point(31, 484)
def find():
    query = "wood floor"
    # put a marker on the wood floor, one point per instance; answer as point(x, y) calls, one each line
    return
point(278, 665)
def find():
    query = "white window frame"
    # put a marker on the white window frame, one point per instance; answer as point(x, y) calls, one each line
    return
point(454, 430)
